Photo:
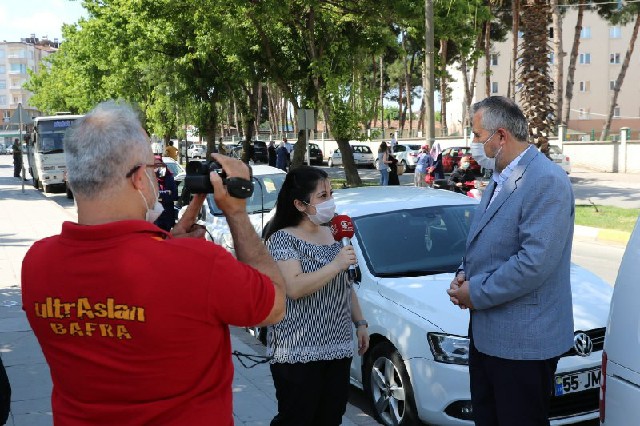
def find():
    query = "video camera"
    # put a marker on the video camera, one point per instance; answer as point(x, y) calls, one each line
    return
point(197, 179)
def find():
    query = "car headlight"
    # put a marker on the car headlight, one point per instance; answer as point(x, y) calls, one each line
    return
point(449, 349)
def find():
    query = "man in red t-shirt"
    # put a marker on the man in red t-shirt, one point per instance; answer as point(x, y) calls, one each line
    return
point(133, 321)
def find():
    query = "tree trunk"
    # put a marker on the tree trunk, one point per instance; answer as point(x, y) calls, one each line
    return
point(428, 75)
point(572, 65)
point(620, 79)
point(350, 170)
point(536, 93)
point(400, 108)
point(558, 63)
point(407, 83)
point(443, 88)
point(487, 58)
point(515, 29)
point(381, 97)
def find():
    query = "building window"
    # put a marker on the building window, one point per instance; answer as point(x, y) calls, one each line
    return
point(494, 87)
point(615, 32)
point(6, 116)
point(612, 84)
point(550, 33)
point(614, 58)
point(3, 84)
point(3, 69)
point(616, 112)
point(551, 58)
point(3, 100)
point(585, 86)
point(494, 60)
point(585, 58)
point(2, 53)
point(18, 68)
point(585, 32)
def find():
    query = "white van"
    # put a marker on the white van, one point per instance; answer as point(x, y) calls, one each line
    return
point(620, 384)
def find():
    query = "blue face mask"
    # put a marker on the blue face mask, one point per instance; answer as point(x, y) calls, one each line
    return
point(464, 166)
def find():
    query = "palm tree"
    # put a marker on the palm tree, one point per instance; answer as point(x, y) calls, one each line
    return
point(535, 95)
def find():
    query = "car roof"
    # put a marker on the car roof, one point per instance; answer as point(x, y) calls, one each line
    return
point(378, 199)
point(263, 169)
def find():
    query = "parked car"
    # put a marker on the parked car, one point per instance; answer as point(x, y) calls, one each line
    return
point(620, 384)
point(555, 153)
point(267, 183)
point(362, 156)
point(315, 154)
point(416, 368)
point(407, 155)
point(197, 151)
point(260, 154)
point(451, 159)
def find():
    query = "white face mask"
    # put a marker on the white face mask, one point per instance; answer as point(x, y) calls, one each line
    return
point(324, 212)
point(155, 212)
point(477, 152)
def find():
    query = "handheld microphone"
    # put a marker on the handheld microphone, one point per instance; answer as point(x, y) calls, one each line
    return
point(342, 230)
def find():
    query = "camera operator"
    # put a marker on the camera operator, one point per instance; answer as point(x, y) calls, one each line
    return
point(132, 320)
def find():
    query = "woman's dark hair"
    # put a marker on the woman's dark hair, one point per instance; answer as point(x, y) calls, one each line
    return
point(382, 147)
point(298, 185)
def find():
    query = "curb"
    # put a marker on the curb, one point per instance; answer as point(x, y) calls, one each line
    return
point(598, 234)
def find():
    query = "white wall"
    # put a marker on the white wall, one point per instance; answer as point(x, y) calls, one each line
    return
point(605, 156)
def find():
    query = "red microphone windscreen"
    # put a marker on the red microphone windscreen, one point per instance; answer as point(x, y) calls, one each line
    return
point(341, 227)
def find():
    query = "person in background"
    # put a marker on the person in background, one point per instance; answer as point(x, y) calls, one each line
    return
point(393, 142)
point(313, 345)
point(271, 153)
point(167, 193)
point(383, 163)
point(17, 158)
point(393, 170)
point(289, 150)
point(221, 148)
point(130, 335)
point(282, 156)
point(460, 176)
point(515, 275)
point(436, 154)
point(423, 162)
point(5, 395)
point(171, 151)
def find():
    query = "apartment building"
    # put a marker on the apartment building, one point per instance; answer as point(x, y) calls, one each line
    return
point(600, 56)
point(15, 59)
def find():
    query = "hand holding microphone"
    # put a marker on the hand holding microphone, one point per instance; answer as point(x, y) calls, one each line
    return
point(342, 230)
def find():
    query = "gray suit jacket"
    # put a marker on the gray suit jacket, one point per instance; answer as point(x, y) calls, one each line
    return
point(517, 261)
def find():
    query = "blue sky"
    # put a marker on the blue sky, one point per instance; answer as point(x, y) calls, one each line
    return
point(21, 18)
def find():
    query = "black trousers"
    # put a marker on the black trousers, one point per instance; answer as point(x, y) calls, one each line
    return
point(5, 395)
point(508, 392)
point(17, 166)
point(311, 394)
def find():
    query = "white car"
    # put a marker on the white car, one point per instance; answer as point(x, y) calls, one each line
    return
point(555, 153)
point(620, 386)
point(267, 183)
point(362, 156)
point(417, 365)
point(407, 155)
point(197, 151)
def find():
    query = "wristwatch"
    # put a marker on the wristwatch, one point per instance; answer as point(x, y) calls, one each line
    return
point(361, 322)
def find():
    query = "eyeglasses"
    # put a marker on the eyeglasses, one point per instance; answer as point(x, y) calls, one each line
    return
point(489, 138)
point(137, 166)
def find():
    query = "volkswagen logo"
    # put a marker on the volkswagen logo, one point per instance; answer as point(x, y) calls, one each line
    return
point(582, 344)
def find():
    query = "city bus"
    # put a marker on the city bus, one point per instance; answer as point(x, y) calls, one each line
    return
point(45, 152)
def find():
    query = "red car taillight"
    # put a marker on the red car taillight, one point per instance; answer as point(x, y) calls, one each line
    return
point(603, 386)
point(413, 154)
point(566, 159)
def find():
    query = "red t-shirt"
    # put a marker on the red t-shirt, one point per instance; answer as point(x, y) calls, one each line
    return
point(134, 326)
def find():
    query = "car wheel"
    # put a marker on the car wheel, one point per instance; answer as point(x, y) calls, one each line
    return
point(36, 183)
point(387, 386)
point(375, 164)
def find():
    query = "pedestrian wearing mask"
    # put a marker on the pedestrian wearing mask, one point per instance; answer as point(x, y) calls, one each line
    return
point(313, 345)
point(437, 169)
point(423, 162)
point(515, 276)
point(460, 176)
point(130, 336)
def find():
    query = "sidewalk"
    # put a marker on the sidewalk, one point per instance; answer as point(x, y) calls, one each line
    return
point(30, 216)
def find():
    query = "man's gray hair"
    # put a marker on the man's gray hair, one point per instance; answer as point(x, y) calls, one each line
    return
point(498, 111)
point(101, 147)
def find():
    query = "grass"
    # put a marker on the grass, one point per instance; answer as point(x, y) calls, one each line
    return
point(606, 217)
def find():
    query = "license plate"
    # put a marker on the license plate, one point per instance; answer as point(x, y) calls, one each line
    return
point(577, 382)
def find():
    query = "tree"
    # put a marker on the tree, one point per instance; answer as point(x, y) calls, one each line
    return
point(534, 76)
point(620, 16)
point(573, 57)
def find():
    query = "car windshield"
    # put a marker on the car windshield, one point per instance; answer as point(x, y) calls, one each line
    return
point(50, 143)
point(265, 194)
point(414, 147)
point(416, 242)
point(175, 168)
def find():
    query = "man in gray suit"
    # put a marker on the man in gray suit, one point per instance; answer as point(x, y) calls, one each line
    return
point(515, 274)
